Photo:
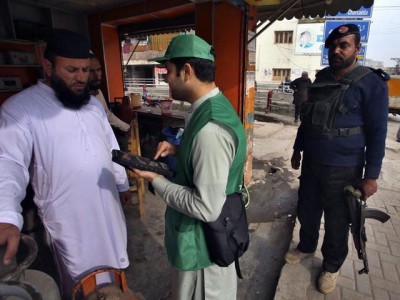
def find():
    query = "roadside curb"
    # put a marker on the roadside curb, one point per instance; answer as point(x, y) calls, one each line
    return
point(275, 118)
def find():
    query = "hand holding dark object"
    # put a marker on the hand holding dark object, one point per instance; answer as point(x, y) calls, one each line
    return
point(164, 149)
point(9, 235)
point(134, 162)
point(148, 175)
point(296, 159)
point(368, 187)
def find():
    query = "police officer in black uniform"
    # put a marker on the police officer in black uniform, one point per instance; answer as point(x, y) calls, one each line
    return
point(342, 139)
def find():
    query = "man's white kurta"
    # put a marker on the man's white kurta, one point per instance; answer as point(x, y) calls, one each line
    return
point(67, 153)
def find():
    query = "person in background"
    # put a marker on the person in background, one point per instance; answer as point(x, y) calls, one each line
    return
point(95, 77)
point(300, 93)
point(342, 137)
point(57, 136)
point(210, 165)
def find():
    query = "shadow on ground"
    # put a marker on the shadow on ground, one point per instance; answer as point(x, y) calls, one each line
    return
point(271, 215)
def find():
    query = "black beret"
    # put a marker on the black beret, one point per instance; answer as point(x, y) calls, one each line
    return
point(341, 31)
point(67, 43)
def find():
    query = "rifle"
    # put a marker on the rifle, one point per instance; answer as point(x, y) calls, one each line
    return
point(358, 213)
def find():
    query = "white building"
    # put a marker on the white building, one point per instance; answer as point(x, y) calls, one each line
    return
point(289, 47)
point(286, 49)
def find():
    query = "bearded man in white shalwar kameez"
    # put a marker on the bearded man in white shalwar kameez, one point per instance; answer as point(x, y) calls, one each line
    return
point(57, 136)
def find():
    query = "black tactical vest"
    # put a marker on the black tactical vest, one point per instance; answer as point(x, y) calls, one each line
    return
point(325, 102)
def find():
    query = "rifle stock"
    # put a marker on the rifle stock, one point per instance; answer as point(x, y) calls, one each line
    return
point(358, 213)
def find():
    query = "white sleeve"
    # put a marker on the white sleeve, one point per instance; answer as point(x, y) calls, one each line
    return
point(15, 155)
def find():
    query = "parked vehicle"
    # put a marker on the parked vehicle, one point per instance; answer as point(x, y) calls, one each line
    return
point(284, 87)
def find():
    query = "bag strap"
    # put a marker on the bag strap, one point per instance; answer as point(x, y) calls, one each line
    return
point(355, 74)
point(237, 267)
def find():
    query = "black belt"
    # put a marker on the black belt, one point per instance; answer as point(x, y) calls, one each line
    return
point(347, 131)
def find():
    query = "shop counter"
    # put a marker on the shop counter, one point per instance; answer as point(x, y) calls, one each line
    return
point(151, 123)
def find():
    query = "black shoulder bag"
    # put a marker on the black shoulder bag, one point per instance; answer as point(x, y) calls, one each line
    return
point(228, 237)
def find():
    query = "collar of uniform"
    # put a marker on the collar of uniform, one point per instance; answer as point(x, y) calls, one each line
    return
point(203, 98)
point(199, 101)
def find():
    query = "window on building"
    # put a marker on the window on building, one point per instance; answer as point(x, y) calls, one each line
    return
point(283, 37)
point(280, 74)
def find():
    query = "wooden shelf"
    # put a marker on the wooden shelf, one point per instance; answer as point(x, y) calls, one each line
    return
point(28, 71)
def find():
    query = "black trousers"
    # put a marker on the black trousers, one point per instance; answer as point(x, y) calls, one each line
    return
point(321, 191)
point(297, 112)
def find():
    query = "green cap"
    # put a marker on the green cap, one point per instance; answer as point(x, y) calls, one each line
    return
point(188, 45)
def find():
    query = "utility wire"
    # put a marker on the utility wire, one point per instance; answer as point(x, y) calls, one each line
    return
point(290, 61)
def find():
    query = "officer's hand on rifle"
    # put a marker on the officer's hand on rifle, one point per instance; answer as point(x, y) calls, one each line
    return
point(368, 187)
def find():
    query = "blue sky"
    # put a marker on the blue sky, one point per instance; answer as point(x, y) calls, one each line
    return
point(384, 36)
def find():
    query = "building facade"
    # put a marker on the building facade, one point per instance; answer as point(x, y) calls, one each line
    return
point(289, 47)
point(286, 49)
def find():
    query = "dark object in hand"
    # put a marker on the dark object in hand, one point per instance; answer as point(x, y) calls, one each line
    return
point(131, 161)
